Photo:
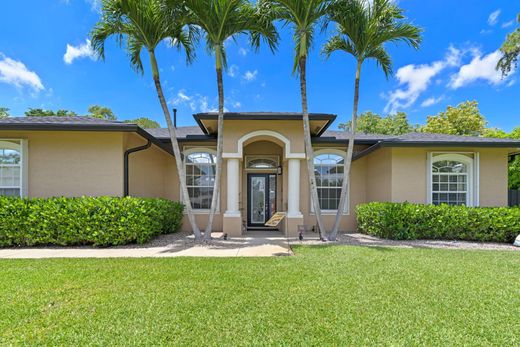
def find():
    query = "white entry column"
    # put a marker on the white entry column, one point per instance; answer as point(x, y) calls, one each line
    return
point(293, 189)
point(233, 182)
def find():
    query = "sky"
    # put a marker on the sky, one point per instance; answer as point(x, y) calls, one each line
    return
point(46, 62)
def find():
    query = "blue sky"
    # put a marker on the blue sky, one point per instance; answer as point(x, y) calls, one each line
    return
point(45, 63)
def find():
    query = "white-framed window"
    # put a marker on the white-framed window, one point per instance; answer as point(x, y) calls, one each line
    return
point(12, 168)
point(200, 166)
point(262, 162)
point(453, 179)
point(329, 169)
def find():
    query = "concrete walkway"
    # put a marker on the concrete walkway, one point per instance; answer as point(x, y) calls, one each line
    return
point(254, 244)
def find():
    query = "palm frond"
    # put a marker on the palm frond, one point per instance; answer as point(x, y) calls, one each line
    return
point(220, 21)
point(303, 17)
point(143, 24)
point(367, 27)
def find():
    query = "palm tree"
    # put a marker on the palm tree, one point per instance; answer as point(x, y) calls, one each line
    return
point(218, 21)
point(303, 16)
point(143, 24)
point(363, 28)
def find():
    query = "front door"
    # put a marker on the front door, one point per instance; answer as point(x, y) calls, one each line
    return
point(261, 201)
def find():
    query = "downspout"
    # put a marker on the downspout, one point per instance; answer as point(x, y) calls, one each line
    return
point(127, 154)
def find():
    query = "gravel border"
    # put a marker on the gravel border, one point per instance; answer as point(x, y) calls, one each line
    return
point(356, 239)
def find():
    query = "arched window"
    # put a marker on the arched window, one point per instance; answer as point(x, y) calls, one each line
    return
point(328, 168)
point(261, 162)
point(10, 168)
point(200, 177)
point(452, 179)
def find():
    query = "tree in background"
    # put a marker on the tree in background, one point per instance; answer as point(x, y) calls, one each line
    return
point(4, 112)
point(514, 166)
point(145, 123)
point(363, 28)
point(372, 123)
point(220, 21)
point(510, 50)
point(144, 24)
point(101, 112)
point(464, 119)
point(39, 112)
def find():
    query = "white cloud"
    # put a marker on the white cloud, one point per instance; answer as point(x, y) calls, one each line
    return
point(432, 101)
point(242, 51)
point(250, 76)
point(95, 5)
point(181, 96)
point(508, 24)
point(15, 73)
point(197, 102)
point(233, 71)
point(83, 50)
point(493, 17)
point(481, 67)
point(415, 80)
point(236, 104)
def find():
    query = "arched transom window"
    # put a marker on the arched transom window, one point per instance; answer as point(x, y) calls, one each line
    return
point(452, 179)
point(328, 168)
point(200, 177)
point(261, 162)
point(10, 168)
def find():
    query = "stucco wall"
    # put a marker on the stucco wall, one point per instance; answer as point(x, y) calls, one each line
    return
point(234, 130)
point(379, 175)
point(357, 195)
point(172, 191)
point(409, 174)
point(146, 169)
point(73, 163)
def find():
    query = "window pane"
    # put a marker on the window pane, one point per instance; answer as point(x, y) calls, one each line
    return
point(329, 169)
point(9, 156)
point(200, 176)
point(9, 191)
point(449, 182)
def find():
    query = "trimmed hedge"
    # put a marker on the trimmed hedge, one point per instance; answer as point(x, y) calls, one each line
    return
point(405, 221)
point(98, 221)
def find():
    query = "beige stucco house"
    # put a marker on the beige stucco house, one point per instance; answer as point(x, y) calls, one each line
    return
point(263, 171)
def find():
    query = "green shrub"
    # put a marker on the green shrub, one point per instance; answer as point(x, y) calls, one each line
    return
point(103, 221)
point(407, 221)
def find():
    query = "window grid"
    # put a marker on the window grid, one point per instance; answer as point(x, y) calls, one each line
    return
point(10, 172)
point(261, 162)
point(328, 169)
point(200, 178)
point(449, 183)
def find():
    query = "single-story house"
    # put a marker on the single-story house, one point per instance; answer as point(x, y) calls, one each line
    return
point(263, 171)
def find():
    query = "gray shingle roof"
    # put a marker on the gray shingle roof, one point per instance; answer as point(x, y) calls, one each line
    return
point(195, 132)
point(78, 120)
point(428, 137)
point(182, 132)
point(343, 135)
point(418, 138)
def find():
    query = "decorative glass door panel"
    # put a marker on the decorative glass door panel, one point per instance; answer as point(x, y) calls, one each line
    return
point(261, 198)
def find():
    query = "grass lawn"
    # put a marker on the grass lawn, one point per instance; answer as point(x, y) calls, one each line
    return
point(322, 296)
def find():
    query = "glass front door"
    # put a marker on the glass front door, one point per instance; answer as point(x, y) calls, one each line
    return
point(261, 198)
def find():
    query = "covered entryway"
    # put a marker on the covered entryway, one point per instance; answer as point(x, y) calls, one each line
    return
point(263, 178)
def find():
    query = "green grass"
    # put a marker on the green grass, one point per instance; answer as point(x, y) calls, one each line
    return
point(322, 296)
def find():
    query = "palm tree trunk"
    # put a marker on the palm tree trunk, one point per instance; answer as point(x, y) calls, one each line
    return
point(220, 140)
point(175, 145)
point(309, 153)
point(348, 160)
